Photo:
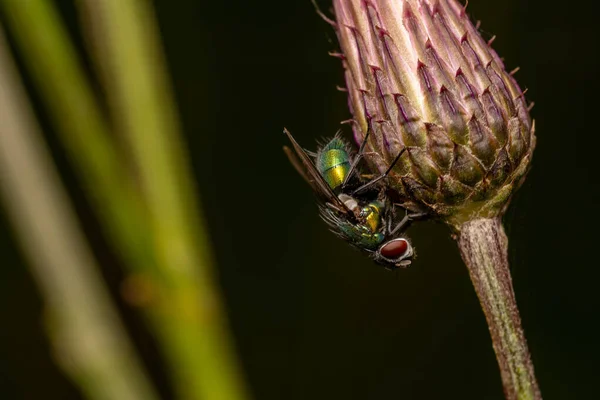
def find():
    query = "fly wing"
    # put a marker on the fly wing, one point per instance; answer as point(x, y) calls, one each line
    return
point(306, 168)
point(297, 164)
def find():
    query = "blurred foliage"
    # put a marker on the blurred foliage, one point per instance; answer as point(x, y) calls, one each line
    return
point(146, 205)
point(311, 317)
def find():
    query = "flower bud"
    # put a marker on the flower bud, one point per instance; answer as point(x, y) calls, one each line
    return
point(420, 76)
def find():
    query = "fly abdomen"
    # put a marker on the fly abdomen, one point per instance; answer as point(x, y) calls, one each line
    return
point(333, 163)
point(334, 166)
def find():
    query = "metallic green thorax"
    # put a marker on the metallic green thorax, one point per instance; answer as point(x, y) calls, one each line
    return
point(366, 235)
point(372, 215)
point(333, 163)
point(361, 236)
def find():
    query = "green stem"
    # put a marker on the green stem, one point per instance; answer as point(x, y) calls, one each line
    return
point(89, 340)
point(84, 132)
point(190, 317)
point(484, 248)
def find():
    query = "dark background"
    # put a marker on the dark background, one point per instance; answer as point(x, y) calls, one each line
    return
point(314, 319)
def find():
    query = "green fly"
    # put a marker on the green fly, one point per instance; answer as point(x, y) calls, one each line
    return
point(357, 211)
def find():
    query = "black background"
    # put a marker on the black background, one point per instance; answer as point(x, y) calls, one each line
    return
point(314, 319)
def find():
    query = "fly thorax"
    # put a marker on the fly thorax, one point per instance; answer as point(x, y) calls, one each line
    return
point(361, 236)
point(371, 215)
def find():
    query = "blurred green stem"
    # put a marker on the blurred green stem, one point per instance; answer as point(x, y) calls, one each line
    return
point(88, 337)
point(150, 215)
point(484, 248)
point(49, 55)
point(190, 318)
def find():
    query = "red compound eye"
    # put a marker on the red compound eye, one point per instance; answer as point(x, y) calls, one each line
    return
point(394, 249)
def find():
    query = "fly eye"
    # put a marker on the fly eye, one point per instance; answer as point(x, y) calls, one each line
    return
point(394, 249)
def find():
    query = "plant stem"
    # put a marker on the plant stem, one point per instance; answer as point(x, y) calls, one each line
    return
point(89, 340)
point(484, 248)
point(84, 132)
point(190, 317)
point(150, 215)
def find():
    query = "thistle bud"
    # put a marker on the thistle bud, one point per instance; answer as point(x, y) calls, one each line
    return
point(421, 77)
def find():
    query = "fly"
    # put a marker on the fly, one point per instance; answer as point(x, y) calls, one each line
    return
point(356, 210)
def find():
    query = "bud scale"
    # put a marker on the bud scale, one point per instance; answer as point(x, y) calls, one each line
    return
point(420, 76)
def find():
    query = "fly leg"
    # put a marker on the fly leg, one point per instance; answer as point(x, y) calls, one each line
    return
point(382, 176)
point(408, 219)
point(357, 159)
